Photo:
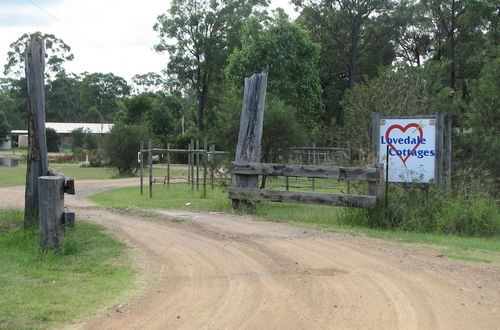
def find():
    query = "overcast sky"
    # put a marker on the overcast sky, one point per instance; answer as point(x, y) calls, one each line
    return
point(104, 35)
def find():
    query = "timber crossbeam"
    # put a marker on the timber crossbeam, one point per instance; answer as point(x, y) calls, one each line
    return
point(360, 201)
point(373, 175)
point(309, 171)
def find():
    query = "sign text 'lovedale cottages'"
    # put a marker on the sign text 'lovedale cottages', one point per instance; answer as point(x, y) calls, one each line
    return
point(411, 148)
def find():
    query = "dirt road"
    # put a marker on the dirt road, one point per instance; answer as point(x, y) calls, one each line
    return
point(219, 271)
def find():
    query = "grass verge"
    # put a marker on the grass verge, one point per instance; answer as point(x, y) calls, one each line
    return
point(16, 176)
point(40, 290)
point(181, 197)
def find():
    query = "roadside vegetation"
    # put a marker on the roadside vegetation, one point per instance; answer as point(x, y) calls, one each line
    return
point(42, 290)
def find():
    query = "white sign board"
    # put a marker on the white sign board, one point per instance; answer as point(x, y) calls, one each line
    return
point(412, 149)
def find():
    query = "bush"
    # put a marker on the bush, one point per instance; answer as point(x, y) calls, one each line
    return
point(53, 140)
point(77, 136)
point(431, 210)
point(122, 145)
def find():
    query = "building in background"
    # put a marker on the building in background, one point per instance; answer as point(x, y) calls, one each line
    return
point(64, 130)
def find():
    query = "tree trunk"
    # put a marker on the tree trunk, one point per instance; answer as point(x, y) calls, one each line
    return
point(202, 104)
point(452, 46)
point(353, 56)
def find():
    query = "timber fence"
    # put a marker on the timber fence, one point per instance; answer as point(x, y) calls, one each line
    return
point(374, 176)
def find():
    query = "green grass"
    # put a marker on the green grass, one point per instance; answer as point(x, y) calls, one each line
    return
point(41, 290)
point(316, 216)
point(175, 196)
point(16, 176)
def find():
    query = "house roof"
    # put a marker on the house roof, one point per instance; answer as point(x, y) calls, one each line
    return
point(66, 128)
point(62, 128)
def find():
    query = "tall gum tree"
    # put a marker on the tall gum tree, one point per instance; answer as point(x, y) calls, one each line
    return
point(198, 35)
point(58, 52)
point(345, 21)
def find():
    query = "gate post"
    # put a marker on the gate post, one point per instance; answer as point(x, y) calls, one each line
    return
point(250, 136)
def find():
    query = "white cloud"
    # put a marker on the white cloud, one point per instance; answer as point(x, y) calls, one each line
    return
point(105, 35)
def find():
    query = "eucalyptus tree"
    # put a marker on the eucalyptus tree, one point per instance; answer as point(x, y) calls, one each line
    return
point(57, 52)
point(198, 35)
point(4, 126)
point(459, 28)
point(100, 94)
point(346, 24)
point(292, 58)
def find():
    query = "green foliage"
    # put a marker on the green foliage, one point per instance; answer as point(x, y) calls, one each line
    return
point(4, 126)
point(58, 52)
point(13, 101)
point(99, 95)
point(431, 210)
point(122, 145)
point(281, 131)
point(292, 59)
point(62, 101)
point(77, 138)
point(137, 107)
point(479, 144)
point(198, 36)
point(53, 140)
point(37, 289)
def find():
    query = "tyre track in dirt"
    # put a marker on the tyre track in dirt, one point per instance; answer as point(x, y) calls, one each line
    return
point(220, 271)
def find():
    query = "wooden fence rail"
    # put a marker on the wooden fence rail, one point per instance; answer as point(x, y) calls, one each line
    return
point(374, 176)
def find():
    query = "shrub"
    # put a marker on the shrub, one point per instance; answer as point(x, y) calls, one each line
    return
point(53, 140)
point(431, 210)
point(77, 136)
point(122, 145)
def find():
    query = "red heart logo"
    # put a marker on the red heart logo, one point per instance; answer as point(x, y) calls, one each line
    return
point(403, 129)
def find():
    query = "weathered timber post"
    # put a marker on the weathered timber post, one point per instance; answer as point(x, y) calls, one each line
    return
point(53, 215)
point(212, 165)
point(189, 163)
point(51, 211)
point(37, 143)
point(191, 154)
point(447, 147)
point(168, 165)
point(141, 159)
point(250, 136)
point(205, 159)
point(150, 162)
point(197, 160)
point(375, 187)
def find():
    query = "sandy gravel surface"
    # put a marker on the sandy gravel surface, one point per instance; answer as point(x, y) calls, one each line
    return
point(220, 271)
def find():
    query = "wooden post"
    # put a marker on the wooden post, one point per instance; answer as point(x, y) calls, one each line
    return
point(168, 165)
point(314, 163)
point(142, 168)
point(250, 135)
point(150, 162)
point(375, 136)
point(37, 144)
point(447, 159)
point(439, 149)
point(192, 164)
point(189, 164)
point(205, 159)
point(375, 187)
point(212, 165)
point(197, 158)
point(51, 200)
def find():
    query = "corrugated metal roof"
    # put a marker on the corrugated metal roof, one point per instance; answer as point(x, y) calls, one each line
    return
point(66, 128)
